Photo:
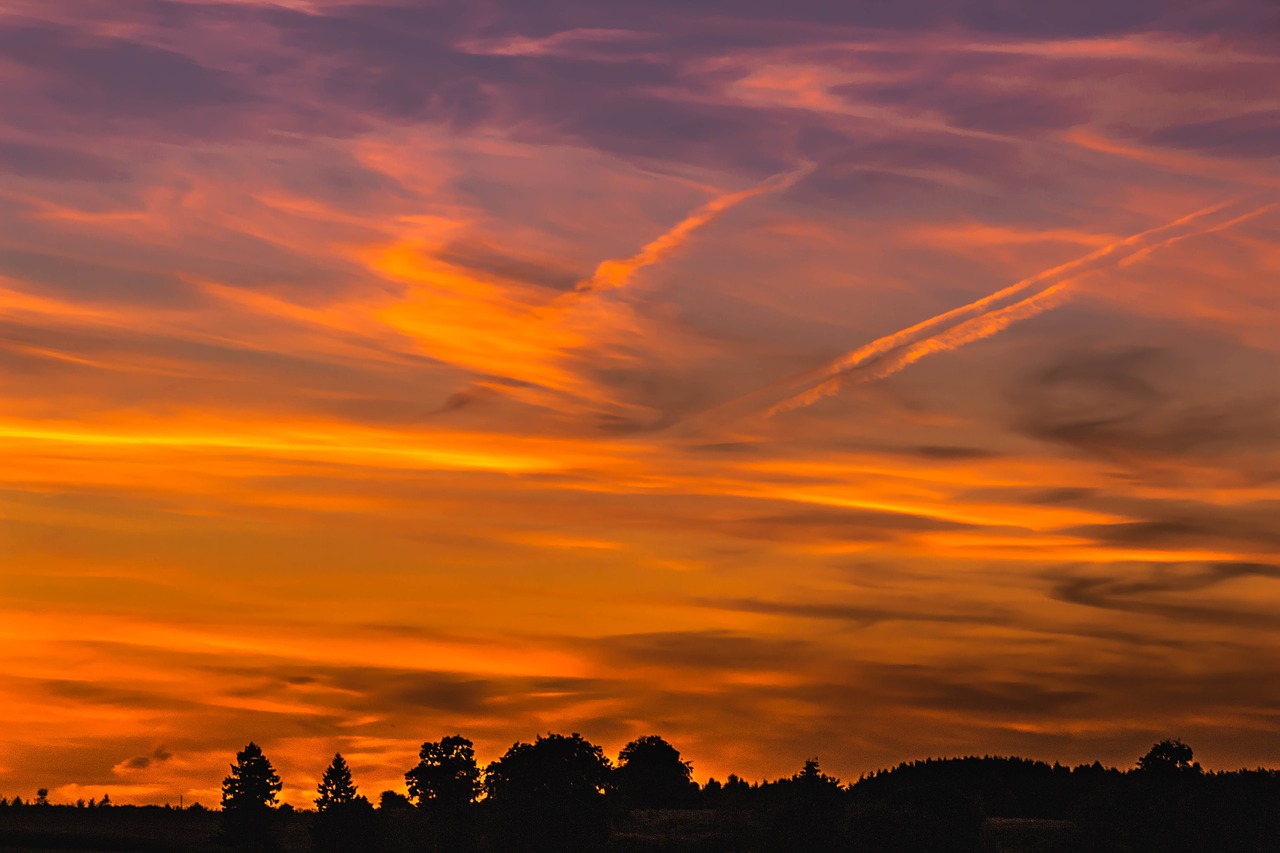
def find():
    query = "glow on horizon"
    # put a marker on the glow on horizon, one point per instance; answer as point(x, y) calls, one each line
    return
point(605, 376)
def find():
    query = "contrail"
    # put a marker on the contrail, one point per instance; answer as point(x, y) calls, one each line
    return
point(612, 275)
point(615, 273)
point(973, 329)
point(985, 317)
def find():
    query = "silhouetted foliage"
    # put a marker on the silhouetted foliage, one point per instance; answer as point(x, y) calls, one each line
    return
point(351, 826)
point(1168, 756)
point(344, 819)
point(445, 783)
point(248, 795)
point(806, 810)
point(549, 795)
point(446, 776)
point(336, 787)
point(651, 775)
point(557, 794)
point(394, 801)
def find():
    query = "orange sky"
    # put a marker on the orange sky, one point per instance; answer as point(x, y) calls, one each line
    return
point(871, 386)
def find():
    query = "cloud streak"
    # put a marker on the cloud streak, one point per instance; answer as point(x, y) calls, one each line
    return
point(985, 317)
point(618, 272)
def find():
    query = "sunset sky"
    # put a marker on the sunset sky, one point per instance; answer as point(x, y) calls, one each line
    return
point(869, 380)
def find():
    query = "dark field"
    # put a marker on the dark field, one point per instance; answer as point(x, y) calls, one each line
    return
point(126, 829)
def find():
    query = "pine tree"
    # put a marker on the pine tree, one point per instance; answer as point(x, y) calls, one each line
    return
point(336, 788)
point(253, 783)
point(247, 797)
point(344, 820)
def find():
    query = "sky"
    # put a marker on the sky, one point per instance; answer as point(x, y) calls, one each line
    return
point(868, 381)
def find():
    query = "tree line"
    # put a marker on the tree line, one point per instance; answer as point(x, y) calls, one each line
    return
point(557, 793)
point(562, 793)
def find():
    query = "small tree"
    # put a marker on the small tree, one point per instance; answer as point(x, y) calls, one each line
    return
point(393, 801)
point(345, 820)
point(248, 795)
point(808, 808)
point(336, 788)
point(1168, 756)
point(42, 797)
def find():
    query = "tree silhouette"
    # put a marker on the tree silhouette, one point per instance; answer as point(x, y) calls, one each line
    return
point(651, 775)
point(1168, 756)
point(446, 777)
point(344, 819)
point(802, 811)
point(248, 794)
point(445, 783)
point(549, 795)
point(393, 801)
point(336, 788)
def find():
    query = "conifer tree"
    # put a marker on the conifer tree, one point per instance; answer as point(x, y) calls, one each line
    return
point(345, 820)
point(336, 788)
point(253, 783)
point(248, 794)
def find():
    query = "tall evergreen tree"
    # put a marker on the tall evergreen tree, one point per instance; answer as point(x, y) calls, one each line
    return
point(336, 788)
point(248, 795)
point(345, 820)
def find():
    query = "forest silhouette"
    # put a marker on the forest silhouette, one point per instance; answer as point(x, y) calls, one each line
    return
point(562, 793)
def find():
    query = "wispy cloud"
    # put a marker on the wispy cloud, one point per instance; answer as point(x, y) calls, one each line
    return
point(987, 316)
point(341, 344)
point(618, 272)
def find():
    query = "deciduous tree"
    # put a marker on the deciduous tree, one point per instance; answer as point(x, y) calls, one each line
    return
point(550, 795)
point(651, 775)
point(1168, 756)
point(446, 777)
